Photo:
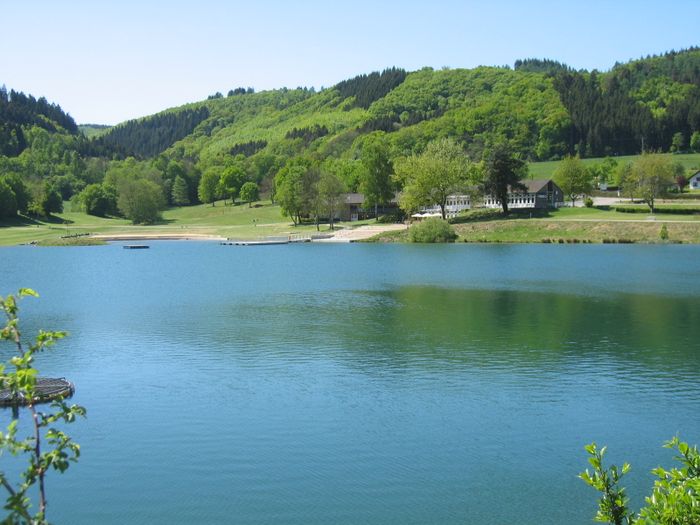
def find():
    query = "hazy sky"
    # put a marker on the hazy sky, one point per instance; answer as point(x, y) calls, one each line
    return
point(105, 62)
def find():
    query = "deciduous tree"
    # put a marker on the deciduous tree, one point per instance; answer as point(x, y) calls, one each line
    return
point(429, 178)
point(231, 181)
point(8, 202)
point(140, 200)
point(209, 186)
point(650, 177)
point(331, 192)
point(376, 179)
point(573, 178)
point(695, 141)
point(249, 192)
point(97, 201)
point(290, 190)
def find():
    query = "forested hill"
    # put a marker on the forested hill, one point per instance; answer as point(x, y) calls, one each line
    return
point(18, 112)
point(544, 110)
point(149, 136)
point(547, 109)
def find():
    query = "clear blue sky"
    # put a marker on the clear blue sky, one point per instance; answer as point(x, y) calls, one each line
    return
point(106, 62)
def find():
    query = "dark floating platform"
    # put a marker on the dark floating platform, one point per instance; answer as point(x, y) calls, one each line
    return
point(136, 246)
point(47, 389)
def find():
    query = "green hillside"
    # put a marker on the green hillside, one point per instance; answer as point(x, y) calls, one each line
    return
point(544, 110)
point(93, 130)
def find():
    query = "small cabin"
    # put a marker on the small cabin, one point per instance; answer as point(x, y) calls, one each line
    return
point(694, 181)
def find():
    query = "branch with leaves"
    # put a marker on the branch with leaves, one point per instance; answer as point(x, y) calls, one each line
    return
point(46, 447)
point(675, 498)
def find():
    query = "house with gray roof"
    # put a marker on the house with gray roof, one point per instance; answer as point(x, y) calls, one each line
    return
point(538, 194)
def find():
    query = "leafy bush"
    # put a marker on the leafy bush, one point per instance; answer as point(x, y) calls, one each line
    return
point(663, 234)
point(432, 230)
point(675, 498)
point(390, 218)
point(483, 214)
point(676, 210)
point(588, 202)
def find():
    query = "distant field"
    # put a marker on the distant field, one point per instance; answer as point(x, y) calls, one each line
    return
point(93, 130)
point(543, 170)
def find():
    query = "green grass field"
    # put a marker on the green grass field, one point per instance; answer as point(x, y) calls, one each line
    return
point(237, 222)
point(574, 225)
point(544, 170)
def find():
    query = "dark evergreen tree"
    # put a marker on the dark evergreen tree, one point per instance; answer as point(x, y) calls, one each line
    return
point(146, 138)
point(368, 88)
point(180, 192)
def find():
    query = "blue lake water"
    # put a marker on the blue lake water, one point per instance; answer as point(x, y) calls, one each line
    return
point(374, 384)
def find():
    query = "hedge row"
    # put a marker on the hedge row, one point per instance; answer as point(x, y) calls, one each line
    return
point(677, 210)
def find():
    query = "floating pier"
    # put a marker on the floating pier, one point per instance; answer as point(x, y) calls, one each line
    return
point(46, 389)
point(136, 246)
point(268, 241)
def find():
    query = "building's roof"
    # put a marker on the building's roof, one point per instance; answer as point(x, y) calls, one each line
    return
point(535, 185)
point(354, 198)
point(694, 175)
point(359, 198)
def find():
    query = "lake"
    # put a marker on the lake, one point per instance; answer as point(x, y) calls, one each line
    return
point(344, 384)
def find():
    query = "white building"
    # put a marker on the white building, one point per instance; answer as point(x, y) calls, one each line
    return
point(543, 193)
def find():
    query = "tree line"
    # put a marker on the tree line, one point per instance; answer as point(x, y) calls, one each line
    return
point(18, 111)
point(365, 89)
point(146, 138)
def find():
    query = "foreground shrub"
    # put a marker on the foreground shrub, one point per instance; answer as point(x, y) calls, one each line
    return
point(432, 230)
point(675, 497)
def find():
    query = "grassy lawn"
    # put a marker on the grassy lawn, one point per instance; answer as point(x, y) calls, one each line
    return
point(239, 222)
point(523, 230)
point(584, 225)
point(265, 218)
point(545, 170)
point(599, 214)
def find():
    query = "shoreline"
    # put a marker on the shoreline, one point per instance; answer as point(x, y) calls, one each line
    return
point(157, 237)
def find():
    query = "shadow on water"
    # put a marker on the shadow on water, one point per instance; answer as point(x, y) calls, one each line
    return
point(432, 327)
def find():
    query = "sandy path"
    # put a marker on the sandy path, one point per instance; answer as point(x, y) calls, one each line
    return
point(362, 232)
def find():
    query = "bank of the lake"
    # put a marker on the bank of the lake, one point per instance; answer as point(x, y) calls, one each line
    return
point(220, 222)
point(567, 231)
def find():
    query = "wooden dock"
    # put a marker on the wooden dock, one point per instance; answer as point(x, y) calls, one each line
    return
point(136, 246)
point(268, 241)
point(46, 389)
